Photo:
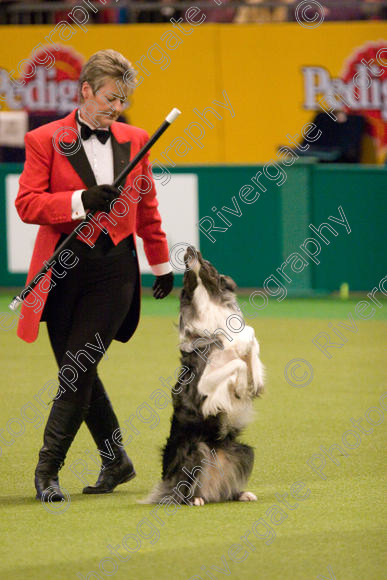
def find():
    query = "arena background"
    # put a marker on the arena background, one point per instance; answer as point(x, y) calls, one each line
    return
point(272, 76)
point(270, 80)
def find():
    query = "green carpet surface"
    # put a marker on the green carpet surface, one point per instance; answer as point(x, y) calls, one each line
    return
point(320, 510)
point(289, 308)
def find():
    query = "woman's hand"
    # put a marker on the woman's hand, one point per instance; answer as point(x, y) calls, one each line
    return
point(163, 285)
point(99, 197)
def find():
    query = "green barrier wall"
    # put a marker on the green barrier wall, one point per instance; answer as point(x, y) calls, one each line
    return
point(272, 228)
point(6, 278)
point(360, 258)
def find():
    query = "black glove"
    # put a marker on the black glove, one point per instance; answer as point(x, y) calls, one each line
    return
point(99, 197)
point(163, 285)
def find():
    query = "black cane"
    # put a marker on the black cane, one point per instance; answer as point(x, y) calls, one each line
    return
point(17, 300)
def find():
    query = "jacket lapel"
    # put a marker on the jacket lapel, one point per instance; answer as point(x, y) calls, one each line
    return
point(121, 155)
point(76, 154)
point(81, 164)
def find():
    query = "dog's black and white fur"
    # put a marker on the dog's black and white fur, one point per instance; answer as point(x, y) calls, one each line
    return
point(213, 400)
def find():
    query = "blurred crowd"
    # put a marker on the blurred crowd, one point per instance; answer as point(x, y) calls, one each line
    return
point(238, 11)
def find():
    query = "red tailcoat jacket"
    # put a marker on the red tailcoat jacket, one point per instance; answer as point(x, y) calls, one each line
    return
point(50, 177)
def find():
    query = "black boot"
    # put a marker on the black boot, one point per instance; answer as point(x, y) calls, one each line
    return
point(116, 466)
point(62, 425)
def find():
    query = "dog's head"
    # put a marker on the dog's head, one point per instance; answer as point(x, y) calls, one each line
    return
point(200, 272)
point(205, 297)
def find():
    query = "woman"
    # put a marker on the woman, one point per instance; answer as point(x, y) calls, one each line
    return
point(93, 296)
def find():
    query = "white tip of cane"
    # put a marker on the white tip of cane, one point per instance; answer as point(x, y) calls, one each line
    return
point(15, 303)
point(173, 115)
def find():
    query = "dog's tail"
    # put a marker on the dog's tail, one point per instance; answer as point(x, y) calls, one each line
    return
point(159, 492)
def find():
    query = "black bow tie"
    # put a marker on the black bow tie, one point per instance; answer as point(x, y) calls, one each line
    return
point(101, 135)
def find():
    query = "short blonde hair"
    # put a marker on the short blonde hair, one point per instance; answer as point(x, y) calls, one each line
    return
point(107, 64)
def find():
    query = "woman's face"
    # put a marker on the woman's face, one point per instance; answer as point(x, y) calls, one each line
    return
point(106, 105)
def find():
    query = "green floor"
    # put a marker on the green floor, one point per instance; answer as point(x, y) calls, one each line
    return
point(334, 532)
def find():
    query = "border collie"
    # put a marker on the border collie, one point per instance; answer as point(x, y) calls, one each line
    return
point(202, 459)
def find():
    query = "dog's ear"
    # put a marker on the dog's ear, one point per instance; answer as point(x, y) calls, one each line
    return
point(227, 283)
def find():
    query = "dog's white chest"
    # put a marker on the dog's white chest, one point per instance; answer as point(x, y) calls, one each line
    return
point(233, 376)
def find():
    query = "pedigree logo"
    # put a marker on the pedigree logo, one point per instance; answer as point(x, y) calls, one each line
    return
point(46, 84)
point(362, 87)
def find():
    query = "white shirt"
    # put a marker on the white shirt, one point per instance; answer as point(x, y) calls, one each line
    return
point(100, 157)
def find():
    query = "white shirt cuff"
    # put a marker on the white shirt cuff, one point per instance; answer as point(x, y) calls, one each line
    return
point(77, 209)
point(161, 269)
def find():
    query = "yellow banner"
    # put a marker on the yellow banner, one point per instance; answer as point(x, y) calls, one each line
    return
point(242, 88)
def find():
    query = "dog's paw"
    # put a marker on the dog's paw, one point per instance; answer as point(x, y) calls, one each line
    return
point(247, 496)
point(198, 501)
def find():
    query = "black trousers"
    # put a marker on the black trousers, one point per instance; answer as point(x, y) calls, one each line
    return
point(87, 307)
